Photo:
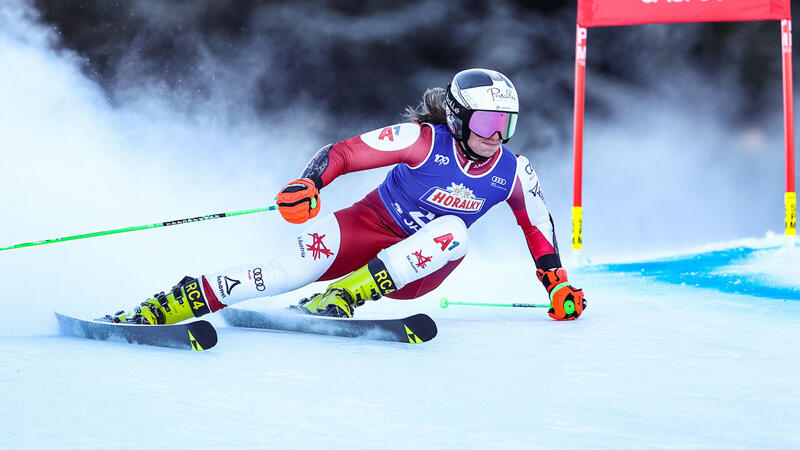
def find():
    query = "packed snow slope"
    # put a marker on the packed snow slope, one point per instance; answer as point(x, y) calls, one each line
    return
point(653, 361)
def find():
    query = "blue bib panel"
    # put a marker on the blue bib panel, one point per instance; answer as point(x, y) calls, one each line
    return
point(440, 187)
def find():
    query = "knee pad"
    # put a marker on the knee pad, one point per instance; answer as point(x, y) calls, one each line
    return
point(440, 241)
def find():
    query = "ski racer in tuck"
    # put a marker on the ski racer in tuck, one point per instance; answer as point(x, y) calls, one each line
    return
point(405, 237)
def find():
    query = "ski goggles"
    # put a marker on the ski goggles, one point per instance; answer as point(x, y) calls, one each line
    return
point(486, 123)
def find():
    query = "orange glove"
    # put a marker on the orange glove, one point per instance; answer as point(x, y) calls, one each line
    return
point(298, 201)
point(566, 302)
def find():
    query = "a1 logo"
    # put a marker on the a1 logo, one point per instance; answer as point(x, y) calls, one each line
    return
point(395, 137)
point(446, 240)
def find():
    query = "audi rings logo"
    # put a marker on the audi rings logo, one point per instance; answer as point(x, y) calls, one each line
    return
point(499, 180)
point(259, 279)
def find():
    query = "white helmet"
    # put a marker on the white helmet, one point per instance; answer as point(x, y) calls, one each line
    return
point(477, 91)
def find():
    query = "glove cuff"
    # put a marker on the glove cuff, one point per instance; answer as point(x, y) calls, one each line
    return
point(309, 182)
point(552, 279)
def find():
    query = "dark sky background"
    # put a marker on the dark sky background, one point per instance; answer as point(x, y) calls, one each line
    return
point(108, 99)
point(360, 63)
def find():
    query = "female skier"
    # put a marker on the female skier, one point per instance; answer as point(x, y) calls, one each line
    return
point(405, 237)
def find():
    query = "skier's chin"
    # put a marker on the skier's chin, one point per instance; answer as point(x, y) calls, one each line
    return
point(487, 149)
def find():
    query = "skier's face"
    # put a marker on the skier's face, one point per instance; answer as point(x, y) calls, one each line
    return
point(485, 147)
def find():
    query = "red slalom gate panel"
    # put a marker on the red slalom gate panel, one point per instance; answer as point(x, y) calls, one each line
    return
point(597, 13)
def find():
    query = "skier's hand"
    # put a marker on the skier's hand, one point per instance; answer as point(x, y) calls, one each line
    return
point(566, 302)
point(298, 201)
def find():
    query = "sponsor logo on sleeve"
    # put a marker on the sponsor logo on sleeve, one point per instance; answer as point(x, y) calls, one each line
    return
point(395, 137)
point(537, 190)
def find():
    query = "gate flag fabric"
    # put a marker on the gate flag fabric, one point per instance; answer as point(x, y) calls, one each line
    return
point(597, 13)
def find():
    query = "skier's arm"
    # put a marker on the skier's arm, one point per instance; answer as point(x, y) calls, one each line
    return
point(408, 143)
point(527, 204)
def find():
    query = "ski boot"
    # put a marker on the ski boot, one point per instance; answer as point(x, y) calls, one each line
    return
point(370, 282)
point(186, 300)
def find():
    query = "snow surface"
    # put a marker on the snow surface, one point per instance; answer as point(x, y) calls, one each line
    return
point(649, 364)
point(687, 348)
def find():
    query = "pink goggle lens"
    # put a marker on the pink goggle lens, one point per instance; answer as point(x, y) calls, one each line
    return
point(486, 123)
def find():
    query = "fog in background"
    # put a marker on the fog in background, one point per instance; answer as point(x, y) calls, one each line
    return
point(124, 113)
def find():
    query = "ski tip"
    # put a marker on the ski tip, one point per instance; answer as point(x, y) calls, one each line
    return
point(199, 335)
point(206, 335)
point(420, 328)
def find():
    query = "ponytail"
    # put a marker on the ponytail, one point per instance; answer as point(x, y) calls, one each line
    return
point(431, 109)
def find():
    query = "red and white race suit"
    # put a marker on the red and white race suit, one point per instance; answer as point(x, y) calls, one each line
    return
point(415, 222)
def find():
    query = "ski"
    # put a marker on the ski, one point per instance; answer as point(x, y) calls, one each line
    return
point(414, 329)
point(198, 335)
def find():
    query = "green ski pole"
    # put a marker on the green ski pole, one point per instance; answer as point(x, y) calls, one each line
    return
point(143, 227)
point(444, 303)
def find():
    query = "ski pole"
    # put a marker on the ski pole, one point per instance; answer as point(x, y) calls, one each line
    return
point(444, 303)
point(143, 227)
